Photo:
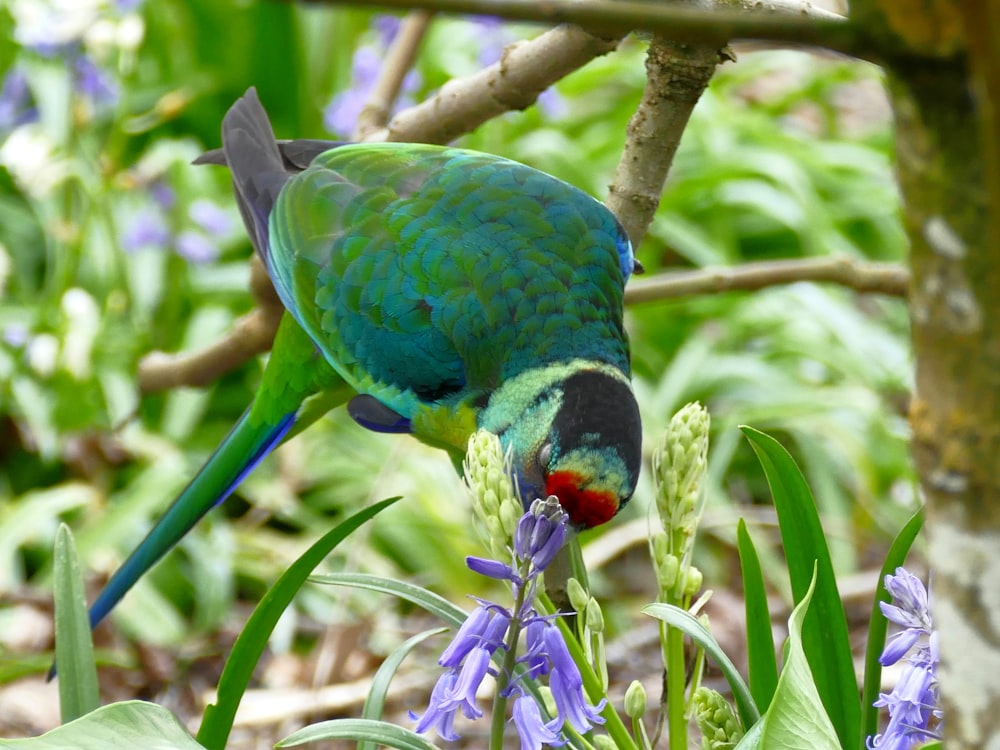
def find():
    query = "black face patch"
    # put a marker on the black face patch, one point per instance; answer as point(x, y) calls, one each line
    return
point(599, 411)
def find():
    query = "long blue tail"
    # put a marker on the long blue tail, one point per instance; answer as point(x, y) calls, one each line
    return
point(243, 448)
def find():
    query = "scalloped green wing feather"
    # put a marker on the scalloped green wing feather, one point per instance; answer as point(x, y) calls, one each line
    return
point(425, 273)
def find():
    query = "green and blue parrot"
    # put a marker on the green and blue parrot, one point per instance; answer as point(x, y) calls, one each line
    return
point(448, 291)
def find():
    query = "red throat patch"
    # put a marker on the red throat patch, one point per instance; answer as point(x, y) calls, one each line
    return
point(586, 508)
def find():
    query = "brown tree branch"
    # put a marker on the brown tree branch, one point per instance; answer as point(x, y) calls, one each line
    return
point(398, 61)
point(251, 334)
point(513, 83)
point(715, 27)
point(676, 77)
point(861, 276)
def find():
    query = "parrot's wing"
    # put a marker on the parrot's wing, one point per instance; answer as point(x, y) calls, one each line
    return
point(424, 271)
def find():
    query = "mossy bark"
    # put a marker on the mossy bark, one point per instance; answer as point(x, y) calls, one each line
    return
point(946, 147)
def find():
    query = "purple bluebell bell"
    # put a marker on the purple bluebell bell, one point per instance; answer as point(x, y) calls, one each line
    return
point(539, 535)
point(386, 26)
point(147, 229)
point(195, 246)
point(532, 729)
point(213, 219)
point(341, 115)
point(17, 105)
point(93, 82)
point(493, 38)
point(913, 702)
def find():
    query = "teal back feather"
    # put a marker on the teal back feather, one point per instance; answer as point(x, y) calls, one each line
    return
point(429, 270)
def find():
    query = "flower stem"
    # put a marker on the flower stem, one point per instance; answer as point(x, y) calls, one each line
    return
point(499, 717)
point(677, 722)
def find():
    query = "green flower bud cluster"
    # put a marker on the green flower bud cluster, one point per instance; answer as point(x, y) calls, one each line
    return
point(679, 465)
point(720, 729)
point(495, 502)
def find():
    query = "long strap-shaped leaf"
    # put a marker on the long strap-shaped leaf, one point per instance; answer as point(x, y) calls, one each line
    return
point(218, 720)
point(824, 631)
point(762, 664)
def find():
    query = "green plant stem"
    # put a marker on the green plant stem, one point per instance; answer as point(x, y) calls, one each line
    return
point(677, 723)
point(499, 717)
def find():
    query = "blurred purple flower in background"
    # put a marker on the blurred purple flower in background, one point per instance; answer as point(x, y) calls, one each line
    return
point(17, 105)
point(212, 218)
point(150, 227)
point(147, 229)
point(341, 115)
point(92, 82)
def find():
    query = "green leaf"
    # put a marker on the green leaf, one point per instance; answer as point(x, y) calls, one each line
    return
point(218, 720)
point(375, 704)
point(825, 639)
point(796, 719)
point(423, 598)
point(130, 725)
point(366, 730)
point(878, 625)
point(78, 691)
point(762, 662)
point(686, 622)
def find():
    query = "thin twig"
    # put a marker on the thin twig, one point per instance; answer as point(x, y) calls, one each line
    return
point(514, 83)
point(398, 61)
point(862, 276)
point(251, 334)
point(676, 77)
point(716, 26)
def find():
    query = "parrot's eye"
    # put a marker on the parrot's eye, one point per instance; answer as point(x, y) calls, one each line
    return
point(544, 455)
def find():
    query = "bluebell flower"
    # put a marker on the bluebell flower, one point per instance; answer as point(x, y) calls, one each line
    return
point(540, 533)
point(195, 247)
point(93, 82)
point(147, 229)
point(533, 731)
point(341, 114)
point(213, 219)
point(17, 105)
point(386, 26)
point(913, 702)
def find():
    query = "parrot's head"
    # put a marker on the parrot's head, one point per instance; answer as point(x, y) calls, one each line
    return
point(574, 432)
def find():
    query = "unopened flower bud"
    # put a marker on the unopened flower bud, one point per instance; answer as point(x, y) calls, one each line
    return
point(578, 597)
point(692, 581)
point(595, 617)
point(635, 700)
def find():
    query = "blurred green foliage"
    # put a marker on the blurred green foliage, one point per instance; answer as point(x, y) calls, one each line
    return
point(106, 255)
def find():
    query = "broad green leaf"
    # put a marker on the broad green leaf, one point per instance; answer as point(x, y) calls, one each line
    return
point(78, 691)
point(365, 730)
point(246, 652)
point(763, 664)
point(423, 598)
point(686, 622)
point(796, 719)
point(878, 624)
point(130, 725)
point(375, 704)
point(825, 639)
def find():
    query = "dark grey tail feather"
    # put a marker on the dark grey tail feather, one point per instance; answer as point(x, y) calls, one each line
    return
point(251, 151)
point(297, 154)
